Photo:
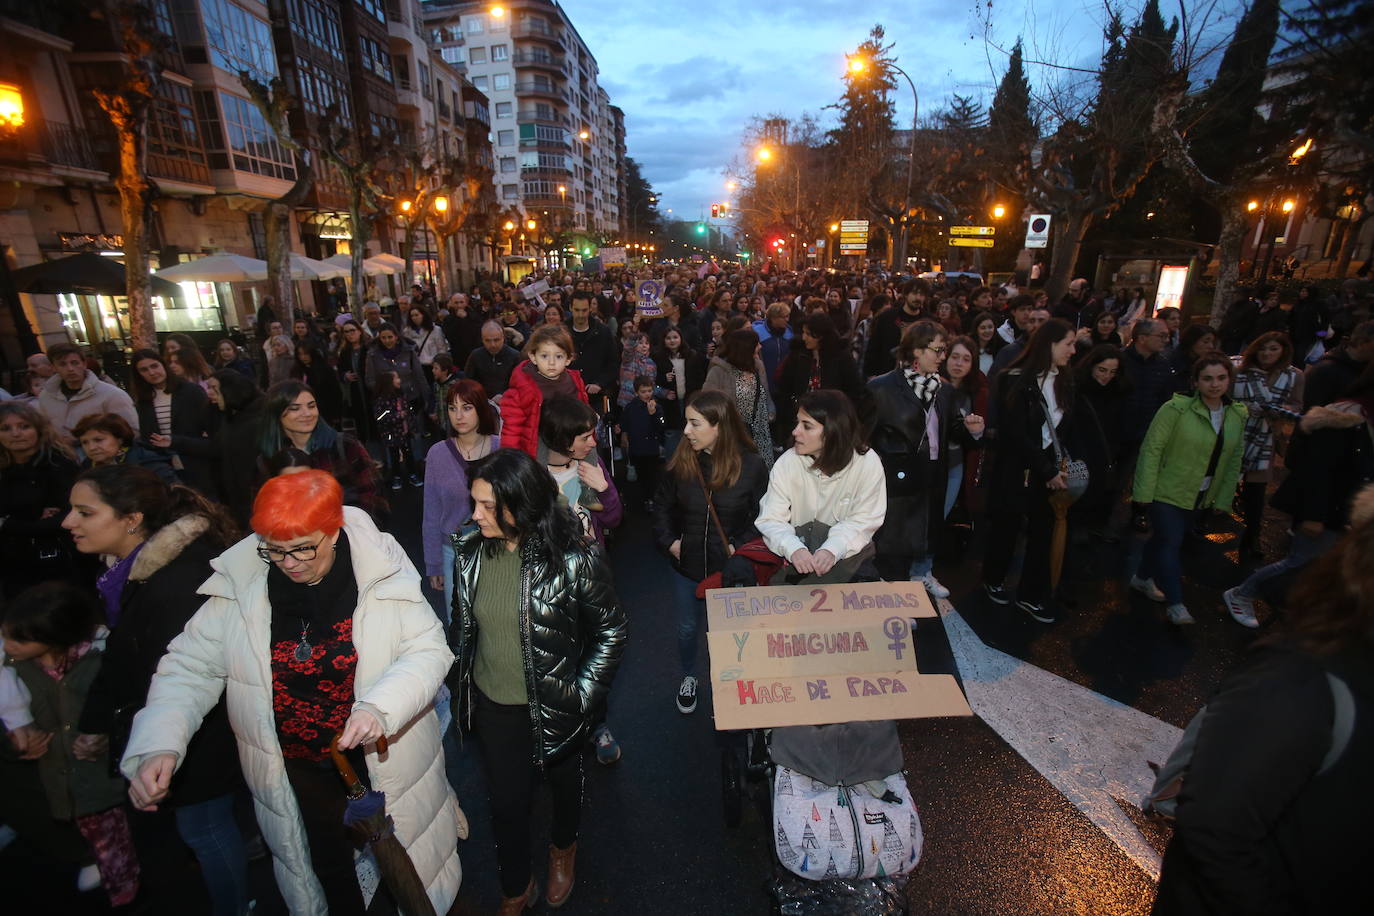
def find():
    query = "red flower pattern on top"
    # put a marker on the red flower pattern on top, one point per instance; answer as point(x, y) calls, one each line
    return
point(309, 706)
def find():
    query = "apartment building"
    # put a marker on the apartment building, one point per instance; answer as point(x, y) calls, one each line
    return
point(558, 142)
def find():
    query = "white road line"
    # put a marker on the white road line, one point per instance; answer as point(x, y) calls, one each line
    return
point(1090, 747)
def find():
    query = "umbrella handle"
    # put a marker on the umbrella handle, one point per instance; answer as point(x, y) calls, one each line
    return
point(346, 771)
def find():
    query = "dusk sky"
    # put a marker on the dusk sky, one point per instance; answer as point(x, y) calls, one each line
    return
point(691, 73)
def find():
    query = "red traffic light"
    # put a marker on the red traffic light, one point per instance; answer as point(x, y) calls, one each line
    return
point(715, 211)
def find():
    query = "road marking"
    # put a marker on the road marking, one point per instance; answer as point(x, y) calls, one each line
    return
point(1089, 746)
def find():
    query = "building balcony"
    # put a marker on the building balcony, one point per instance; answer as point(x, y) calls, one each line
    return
point(551, 146)
point(538, 61)
point(63, 144)
point(541, 90)
point(176, 168)
point(557, 173)
point(537, 33)
point(530, 117)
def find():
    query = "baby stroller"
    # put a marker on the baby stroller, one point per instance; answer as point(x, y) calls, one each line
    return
point(845, 831)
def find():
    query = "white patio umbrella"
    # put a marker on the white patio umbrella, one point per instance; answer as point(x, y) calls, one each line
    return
point(216, 268)
point(303, 268)
point(381, 264)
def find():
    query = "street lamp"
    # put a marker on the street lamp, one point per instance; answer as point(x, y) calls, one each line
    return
point(583, 135)
point(509, 226)
point(531, 224)
point(11, 106)
point(440, 204)
point(563, 194)
point(1252, 206)
point(999, 211)
point(764, 154)
point(497, 12)
point(858, 65)
point(1288, 206)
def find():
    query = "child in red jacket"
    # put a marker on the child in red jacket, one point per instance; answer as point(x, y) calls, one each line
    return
point(542, 375)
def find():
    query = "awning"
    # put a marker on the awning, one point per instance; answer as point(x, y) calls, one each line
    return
point(86, 274)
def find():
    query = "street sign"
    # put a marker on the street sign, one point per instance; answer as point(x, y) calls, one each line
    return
point(972, 230)
point(855, 224)
point(853, 236)
point(971, 243)
point(612, 257)
point(1038, 231)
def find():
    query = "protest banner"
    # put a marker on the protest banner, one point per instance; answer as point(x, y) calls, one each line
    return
point(820, 654)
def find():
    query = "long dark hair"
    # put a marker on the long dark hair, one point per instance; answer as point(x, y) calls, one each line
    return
point(732, 441)
point(1037, 359)
point(57, 614)
point(975, 381)
point(238, 391)
point(738, 348)
point(519, 484)
point(140, 389)
point(279, 397)
point(822, 327)
point(129, 488)
point(1083, 370)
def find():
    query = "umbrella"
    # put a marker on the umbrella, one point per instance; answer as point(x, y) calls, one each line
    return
point(367, 810)
point(381, 264)
point(1060, 500)
point(87, 274)
point(217, 268)
point(303, 268)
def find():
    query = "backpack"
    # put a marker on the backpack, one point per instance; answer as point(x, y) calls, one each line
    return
point(1169, 778)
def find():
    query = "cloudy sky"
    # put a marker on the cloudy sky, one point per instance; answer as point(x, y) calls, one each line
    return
point(691, 73)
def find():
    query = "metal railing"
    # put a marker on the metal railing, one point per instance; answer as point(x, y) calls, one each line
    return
point(547, 89)
point(65, 145)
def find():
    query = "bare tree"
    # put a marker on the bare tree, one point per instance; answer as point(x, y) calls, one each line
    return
point(128, 106)
point(275, 101)
point(358, 156)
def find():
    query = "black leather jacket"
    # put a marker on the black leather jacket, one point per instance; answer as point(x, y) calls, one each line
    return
point(572, 632)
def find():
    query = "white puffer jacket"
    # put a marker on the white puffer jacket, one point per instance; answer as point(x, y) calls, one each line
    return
point(402, 659)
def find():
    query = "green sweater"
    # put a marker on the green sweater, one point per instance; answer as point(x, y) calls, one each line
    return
point(1177, 449)
point(499, 669)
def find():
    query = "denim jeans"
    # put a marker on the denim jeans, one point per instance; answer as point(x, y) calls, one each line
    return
point(1303, 550)
point(956, 480)
point(1163, 561)
point(210, 830)
point(690, 609)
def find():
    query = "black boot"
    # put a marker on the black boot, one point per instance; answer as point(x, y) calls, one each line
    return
point(1252, 494)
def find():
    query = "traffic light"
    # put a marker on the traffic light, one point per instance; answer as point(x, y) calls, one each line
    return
point(715, 211)
point(724, 208)
point(701, 228)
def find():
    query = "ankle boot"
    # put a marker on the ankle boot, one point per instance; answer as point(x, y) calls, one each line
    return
point(516, 906)
point(561, 875)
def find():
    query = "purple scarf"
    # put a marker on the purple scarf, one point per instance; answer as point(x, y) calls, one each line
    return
point(111, 585)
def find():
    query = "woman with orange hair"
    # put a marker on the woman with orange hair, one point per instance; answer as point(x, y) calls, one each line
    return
point(315, 626)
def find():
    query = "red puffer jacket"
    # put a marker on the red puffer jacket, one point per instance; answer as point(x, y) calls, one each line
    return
point(520, 407)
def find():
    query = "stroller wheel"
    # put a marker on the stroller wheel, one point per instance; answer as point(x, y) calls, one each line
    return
point(731, 786)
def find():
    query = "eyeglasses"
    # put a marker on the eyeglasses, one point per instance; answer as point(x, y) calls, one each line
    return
point(302, 554)
point(938, 351)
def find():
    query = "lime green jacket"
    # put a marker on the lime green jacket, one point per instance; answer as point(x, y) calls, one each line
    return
point(1176, 451)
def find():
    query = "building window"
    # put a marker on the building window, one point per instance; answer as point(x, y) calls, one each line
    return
point(317, 23)
point(473, 24)
point(536, 160)
point(375, 57)
point(477, 55)
point(400, 65)
point(505, 138)
point(250, 144)
point(503, 110)
point(500, 81)
point(320, 89)
point(480, 82)
point(508, 163)
point(452, 55)
point(374, 7)
point(500, 52)
point(531, 134)
point(258, 233)
point(426, 88)
point(238, 39)
point(510, 191)
point(173, 133)
point(383, 126)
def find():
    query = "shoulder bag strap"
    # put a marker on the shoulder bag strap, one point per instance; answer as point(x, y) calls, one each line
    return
point(1054, 433)
point(711, 506)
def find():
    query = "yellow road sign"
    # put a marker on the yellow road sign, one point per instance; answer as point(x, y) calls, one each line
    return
point(971, 243)
point(973, 230)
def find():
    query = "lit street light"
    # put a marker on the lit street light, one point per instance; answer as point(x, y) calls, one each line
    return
point(764, 154)
point(859, 65)
point(999, 211)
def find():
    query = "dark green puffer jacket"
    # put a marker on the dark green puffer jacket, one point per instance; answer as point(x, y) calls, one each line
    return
point(572, 633)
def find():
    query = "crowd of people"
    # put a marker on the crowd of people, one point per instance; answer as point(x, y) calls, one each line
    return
point(197, 557)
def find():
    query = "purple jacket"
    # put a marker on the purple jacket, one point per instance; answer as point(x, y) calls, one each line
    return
point(448, 503)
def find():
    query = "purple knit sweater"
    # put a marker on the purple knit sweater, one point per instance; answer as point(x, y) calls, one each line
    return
point(448, 503)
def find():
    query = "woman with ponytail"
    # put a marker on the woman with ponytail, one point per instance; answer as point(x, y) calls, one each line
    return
point(162, 540)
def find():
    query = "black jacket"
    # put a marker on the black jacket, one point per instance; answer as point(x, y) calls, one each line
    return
point(597, 358)
point(1259, 830)
point(1327, 465)
point(1329, 378)
point(838, 372)
point(194, 421)
point(34, 548)
point(884, 333)
point(694, 367)
point(158, 600)
point(463, 334)
point(572, 633)
point(680, 513)
point(1152, 383)
point(492, 372)
point(1020, 438)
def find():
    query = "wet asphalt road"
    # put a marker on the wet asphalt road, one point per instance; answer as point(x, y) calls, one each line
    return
point(999, 839)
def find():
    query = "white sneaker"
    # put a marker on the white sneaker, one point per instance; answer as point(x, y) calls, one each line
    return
point(88, 879)
point(1241, 608)
point(1147, 588)
point(1178, 614)
point(687, 695)
point(933, 586)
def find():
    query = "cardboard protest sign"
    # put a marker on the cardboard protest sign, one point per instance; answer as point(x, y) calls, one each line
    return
point(815, 655)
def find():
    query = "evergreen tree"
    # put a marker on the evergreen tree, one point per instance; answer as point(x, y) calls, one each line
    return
point(1011, 136)
point(641, 203)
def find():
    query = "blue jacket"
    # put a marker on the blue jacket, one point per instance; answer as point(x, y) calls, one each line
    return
point(775, 346)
